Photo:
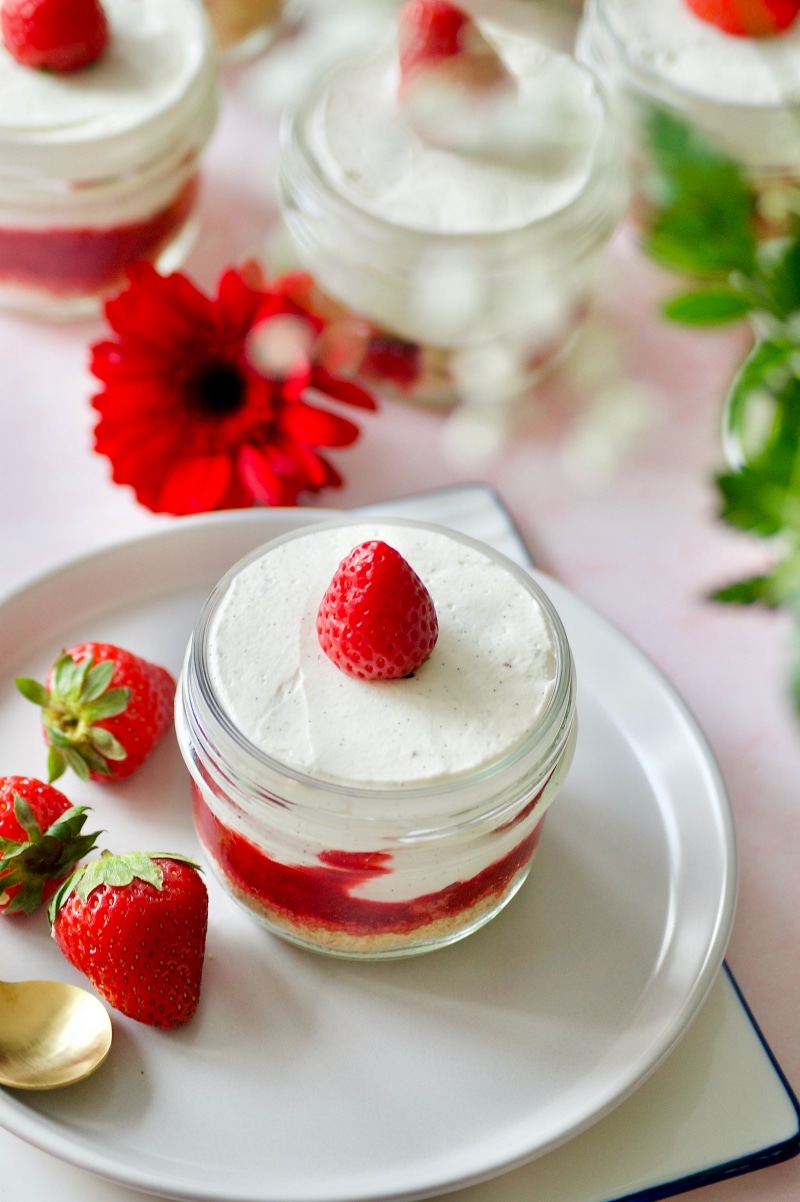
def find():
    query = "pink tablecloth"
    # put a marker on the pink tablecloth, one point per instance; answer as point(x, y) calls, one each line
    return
point(610, 482)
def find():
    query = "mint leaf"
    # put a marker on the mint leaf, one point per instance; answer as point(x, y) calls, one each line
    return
point(708, 306)
point(782, 279)
point(703, 222)
point(751, 502)
point(704, 209)
point(746, 592)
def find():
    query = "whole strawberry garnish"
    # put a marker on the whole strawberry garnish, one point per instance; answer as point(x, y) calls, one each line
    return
point(747, 18)
point(136, 925)
point(454, 87)
point(41, 841)
point(103, 710)
point(377, 620)
point(54, 35)
point(434, 37)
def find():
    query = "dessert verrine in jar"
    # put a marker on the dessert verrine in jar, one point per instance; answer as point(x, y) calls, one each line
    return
point(740, 93)
point(366, 817)
point(99, 165)
point(471, 268)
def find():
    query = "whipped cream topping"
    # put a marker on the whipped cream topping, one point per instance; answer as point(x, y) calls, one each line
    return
point(151, 92)
point(367, 151)
point(478, 695)
point(666, 38)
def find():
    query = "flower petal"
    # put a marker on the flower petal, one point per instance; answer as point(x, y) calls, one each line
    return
point(195, 485)
point(264, 483)
point(237, 303)
point(168, 421)
point(319, 472)
point(341, 390)
point(319, 427)
point(157, 310)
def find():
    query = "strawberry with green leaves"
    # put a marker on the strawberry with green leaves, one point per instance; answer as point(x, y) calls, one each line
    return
point(104, 710)
point(41, 841)
point(135, 925)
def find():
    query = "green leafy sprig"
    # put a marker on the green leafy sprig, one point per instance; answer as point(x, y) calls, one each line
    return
point(740, 244)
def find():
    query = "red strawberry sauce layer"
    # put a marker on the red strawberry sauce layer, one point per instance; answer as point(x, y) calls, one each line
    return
point(312, 896)
point(85, 261)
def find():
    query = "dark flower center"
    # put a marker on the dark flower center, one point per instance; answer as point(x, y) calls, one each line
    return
point(217, 390)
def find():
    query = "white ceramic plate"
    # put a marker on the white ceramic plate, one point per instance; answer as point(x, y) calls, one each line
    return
point(303, 1079)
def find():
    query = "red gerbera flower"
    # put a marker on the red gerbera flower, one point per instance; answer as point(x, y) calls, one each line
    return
point(205, 402)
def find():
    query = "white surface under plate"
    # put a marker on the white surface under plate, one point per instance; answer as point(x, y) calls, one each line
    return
point(304, 1079)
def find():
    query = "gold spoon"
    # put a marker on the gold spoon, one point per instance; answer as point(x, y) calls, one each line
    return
point(51, 1034)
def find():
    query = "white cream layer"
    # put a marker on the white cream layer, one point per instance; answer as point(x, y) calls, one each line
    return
point(372, 157)
point(481, 691)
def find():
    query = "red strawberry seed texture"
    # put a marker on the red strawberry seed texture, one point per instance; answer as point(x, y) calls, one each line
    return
point(747, 18)
point(54, 35)
point(377, 620)
point(136, 926)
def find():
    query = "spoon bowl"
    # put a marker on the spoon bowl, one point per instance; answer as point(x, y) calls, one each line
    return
point(51, 1034)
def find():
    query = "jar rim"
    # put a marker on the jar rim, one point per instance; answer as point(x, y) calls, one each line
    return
point(534, 754)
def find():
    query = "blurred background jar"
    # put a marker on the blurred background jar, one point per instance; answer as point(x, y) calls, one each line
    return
point(462, 275)
point(99, 167)
point(739, 93)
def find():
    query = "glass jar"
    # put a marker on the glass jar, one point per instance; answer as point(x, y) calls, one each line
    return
point(323, 854)
point(469, 277)
point(740, 94)
point(98, 167)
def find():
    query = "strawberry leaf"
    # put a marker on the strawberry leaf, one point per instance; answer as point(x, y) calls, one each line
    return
point(25, 817)
point(28, 865)
point(77, 762)
point(32, 690)
point(106, 744)
point(68, 677)
point(94, 760)
point(56, 764)
point(98, 678)
point(107, 706)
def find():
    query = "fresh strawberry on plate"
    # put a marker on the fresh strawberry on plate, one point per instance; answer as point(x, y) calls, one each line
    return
point(377, 620)
point(41, 841)
point(135, 925)
point(104, 710)
point(54, 35)
point(747, 18)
